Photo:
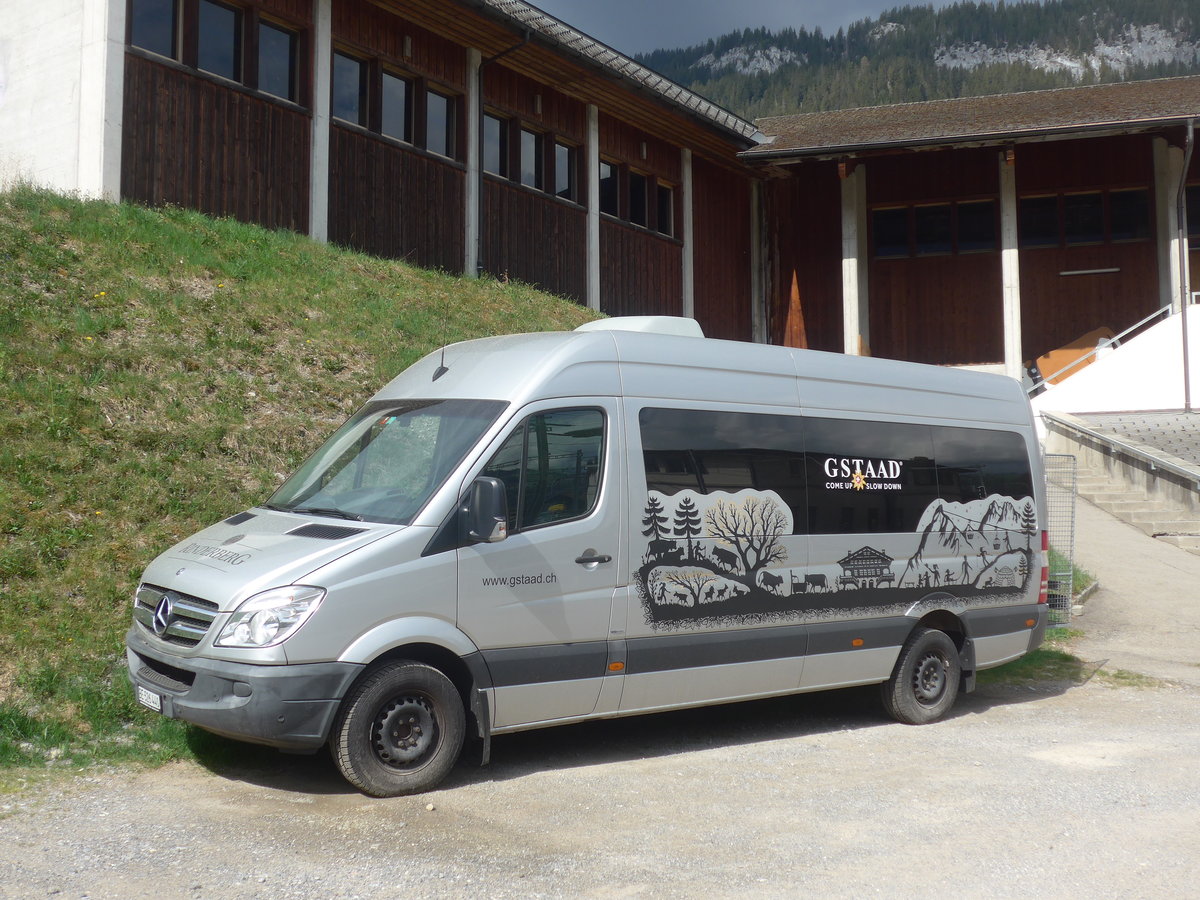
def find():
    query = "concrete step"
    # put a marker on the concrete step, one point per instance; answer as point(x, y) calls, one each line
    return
point(1189, 542)
point(1155, 527)
point(1125, 509)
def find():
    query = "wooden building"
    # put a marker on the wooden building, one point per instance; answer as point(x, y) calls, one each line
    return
point(486, 136)
point(979, 231)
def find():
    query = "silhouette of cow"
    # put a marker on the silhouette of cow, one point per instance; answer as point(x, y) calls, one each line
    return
point(665, 551)
point(771, 582)
point(726, 558)
point(815, 582)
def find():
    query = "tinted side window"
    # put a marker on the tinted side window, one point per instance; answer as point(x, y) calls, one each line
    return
point(551, 466)
point(973, 464)
point(706, 451)
point(868, 477)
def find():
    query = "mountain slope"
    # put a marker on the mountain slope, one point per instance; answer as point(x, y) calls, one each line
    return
point(916, 53)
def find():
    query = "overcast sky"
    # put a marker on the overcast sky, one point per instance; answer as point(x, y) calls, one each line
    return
point(638, 26)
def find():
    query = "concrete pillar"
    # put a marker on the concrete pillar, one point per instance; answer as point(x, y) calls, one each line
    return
point(101, 99)
point(759, 319)
point(1010, 265)
point(318, 182)
point(472, 214)
point(592, 164)
point(1168, 169)
point(689, 238)
point(856, 306)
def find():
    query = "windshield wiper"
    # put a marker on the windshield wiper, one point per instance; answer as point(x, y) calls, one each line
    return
point(325, 511)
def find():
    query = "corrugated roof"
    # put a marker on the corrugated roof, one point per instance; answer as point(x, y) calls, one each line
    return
point(980, 119)
point(526, 16)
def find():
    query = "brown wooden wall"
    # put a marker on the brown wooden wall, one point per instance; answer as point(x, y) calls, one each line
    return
point(932, 176)
point(534, 238)
point(389, 200)
point(803, 232)
point(190, 141)
point(1123, 161)
point(641, 274)
point(1056, 309)
point(722, 256)
point(945, 310)
point(515, 94)
point(623, 143)
point(359, 25)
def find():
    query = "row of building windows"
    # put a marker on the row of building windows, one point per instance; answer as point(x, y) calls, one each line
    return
point(239, 45)
point(225, 40)
point(1050, 220)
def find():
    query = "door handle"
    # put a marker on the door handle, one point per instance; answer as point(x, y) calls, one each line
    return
point(591, 557)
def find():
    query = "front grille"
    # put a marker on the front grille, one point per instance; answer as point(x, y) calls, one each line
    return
point(164, 676)
point(189, 620)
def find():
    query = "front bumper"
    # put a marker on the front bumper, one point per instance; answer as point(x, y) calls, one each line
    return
point(289, 707)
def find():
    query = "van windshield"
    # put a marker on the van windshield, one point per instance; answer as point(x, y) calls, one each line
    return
point(387, 460)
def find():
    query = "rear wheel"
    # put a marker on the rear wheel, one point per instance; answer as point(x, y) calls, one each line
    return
point(399, 730)
point(925, 681)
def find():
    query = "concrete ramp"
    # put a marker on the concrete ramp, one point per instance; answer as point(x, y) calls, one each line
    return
point(1144, 373)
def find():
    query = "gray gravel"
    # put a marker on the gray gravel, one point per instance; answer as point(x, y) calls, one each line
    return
point(1081, 791)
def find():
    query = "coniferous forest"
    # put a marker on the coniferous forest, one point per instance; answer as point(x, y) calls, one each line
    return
point(915, 53)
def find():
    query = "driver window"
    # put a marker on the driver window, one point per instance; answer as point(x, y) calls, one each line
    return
point(550, 467)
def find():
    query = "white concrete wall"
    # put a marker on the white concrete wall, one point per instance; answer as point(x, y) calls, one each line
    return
point(1145, 373)
point(61, 72)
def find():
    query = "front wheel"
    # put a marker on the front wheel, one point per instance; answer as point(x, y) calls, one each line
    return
point(925, 681)
point(399, 730)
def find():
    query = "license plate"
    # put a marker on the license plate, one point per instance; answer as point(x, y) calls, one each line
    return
point(149, 699)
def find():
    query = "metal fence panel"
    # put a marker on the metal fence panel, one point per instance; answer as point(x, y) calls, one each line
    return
point(1061, 486)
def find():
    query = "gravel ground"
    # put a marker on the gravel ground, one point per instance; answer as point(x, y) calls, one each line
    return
point(1089, 790)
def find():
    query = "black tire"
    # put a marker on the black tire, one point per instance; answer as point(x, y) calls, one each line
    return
point(924, 684)
point(399, 730)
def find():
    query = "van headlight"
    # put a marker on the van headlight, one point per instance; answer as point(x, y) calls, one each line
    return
point(270, 617)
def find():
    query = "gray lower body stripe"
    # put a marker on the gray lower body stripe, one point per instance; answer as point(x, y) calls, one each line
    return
point(688, 651)
point(546, 663)
point(983, 623)
point(838, 637)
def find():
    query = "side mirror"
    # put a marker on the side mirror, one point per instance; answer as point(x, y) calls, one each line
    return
point(486, 511)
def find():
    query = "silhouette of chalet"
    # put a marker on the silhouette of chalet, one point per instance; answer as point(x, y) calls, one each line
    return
point(866, 568)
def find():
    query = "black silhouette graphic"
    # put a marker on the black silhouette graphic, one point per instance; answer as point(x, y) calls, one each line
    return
point(723, 560)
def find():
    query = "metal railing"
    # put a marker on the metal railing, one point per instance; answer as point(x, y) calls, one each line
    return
point(1044, 381)
point(1061, 489)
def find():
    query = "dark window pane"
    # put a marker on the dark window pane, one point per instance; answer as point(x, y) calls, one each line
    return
point(977, 226)
point(933, 229)
point(551, 467)
point(531, 159)
point(349, 89)
point(609, 189)
point(495, 146)
point(891, 232)
point(973, 464)
point(1083, 218)
point(397, 101)
point(706, 451)
point(1039, 221)
point(666, 209)
point(152, 26)
point(219, 44)
point(564, 171)
point(276, 61)
point(439, 124)
point(1130, 215)
point(638, 196)
point(868, 477)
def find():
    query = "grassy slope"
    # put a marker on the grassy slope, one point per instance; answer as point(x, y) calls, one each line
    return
point(160, 370)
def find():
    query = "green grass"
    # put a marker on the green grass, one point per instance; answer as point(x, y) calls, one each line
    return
point(160, 370)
